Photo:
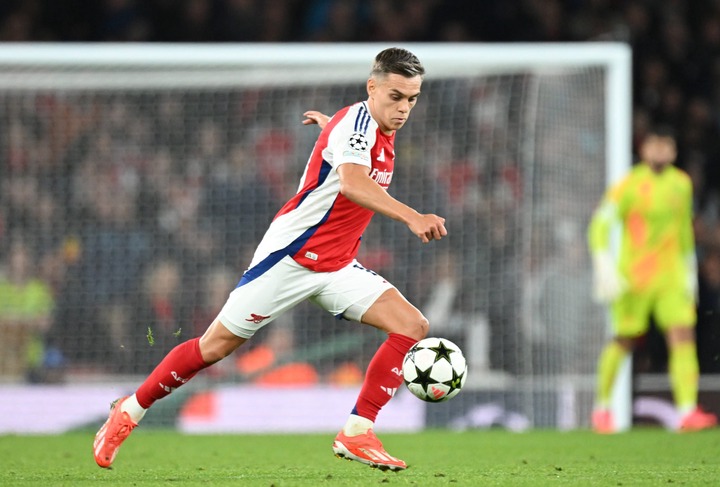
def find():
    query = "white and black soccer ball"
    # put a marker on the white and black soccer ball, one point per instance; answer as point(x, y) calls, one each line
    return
point(434, 369)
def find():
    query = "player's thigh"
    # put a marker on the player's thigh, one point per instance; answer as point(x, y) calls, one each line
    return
point(631, 313)
point(359, 294)
point(675, 308)
point(256, 303)
point(392, 313)
point(349, 292)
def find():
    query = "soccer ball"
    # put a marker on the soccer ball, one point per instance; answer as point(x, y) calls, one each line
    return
point(434, 369)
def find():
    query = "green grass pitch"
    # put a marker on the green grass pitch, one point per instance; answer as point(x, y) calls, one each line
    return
point(476, 458)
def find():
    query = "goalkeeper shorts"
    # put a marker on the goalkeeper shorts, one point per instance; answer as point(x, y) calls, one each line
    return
point(632, 311)
point(347, 293)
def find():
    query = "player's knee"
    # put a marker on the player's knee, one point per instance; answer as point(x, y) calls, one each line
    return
point(213, 355)
point(627, 343)
point(214, 349)
point(418, 328)
point(424, 328)
point(677, 335)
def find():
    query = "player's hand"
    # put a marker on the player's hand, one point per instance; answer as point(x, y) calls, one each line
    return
point(608, 283)
point(428, 227)
point(315, 117)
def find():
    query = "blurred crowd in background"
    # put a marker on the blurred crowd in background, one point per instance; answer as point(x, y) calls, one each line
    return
point(676, 76)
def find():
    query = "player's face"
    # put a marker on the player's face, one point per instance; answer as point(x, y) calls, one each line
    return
point(391, 97)
point(659, 152)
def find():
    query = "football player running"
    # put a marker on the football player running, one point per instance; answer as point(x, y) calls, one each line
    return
point(308, 253)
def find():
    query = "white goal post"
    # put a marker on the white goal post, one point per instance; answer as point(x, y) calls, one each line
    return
point(521, 139)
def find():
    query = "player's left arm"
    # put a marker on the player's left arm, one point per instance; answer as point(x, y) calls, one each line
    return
point(357, 186)
point(687, 239)
point(314, 117)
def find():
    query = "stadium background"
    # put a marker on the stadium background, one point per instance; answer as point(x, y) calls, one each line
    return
point(94, 291)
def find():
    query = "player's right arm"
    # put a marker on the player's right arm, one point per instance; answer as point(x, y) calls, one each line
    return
point(601, 224)
point(357, 186)
point(608, 283)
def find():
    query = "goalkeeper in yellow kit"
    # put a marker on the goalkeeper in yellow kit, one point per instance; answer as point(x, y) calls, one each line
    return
point(654, 274)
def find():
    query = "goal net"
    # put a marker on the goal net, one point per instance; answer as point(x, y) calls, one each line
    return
point(136, 181)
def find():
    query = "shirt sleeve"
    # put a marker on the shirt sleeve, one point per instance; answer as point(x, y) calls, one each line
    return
point(604, 218)
point(348, 145)
point(687, 235)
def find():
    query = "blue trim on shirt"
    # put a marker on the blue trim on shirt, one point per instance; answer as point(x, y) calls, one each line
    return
point(358, 117)
point(269, 262)
point(325, 168)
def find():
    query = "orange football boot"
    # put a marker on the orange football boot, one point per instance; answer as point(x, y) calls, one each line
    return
point(697, 420)
point(109, 438)
point(602, 422)
point(366, 449)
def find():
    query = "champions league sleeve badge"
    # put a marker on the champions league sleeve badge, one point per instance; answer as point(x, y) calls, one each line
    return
point(358, 142)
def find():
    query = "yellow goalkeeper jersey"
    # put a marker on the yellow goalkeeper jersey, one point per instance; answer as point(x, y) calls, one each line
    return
point(657, 245)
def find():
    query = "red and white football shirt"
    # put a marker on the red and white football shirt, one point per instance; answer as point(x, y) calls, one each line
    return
point(319, 227)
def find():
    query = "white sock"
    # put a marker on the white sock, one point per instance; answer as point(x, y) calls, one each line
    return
point(133, 408)
point(686, 409)
point(357, 425)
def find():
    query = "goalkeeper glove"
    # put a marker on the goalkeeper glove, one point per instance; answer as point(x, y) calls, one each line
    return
point(608, 283)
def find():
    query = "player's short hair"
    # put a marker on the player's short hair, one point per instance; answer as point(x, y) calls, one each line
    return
point(395, 60)
point(662, 131)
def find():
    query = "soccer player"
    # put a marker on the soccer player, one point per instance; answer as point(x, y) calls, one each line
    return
point(308, 252)
point(655, 274)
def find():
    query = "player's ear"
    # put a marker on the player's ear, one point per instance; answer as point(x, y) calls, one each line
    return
point(371, 85)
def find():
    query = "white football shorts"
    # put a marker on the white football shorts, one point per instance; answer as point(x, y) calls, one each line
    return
point(346, 293)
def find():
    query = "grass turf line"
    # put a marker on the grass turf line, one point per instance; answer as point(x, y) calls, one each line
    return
point(475, 458)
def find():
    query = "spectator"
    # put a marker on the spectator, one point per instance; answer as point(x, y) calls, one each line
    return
point(85, 159)
point(26, 306)
point(159, 321)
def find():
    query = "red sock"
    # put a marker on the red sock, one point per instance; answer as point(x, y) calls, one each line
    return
point(383, 376)
point(179, 366)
